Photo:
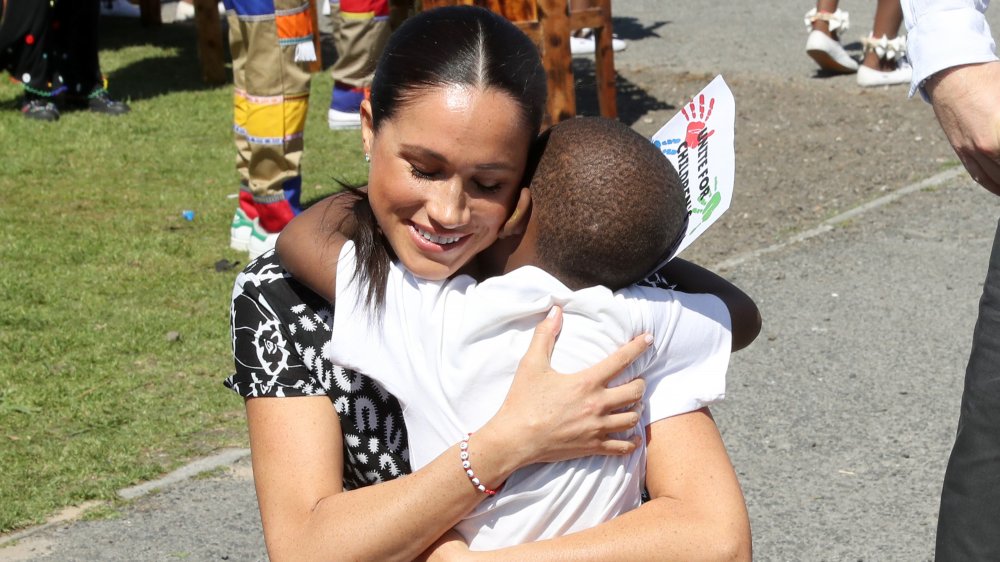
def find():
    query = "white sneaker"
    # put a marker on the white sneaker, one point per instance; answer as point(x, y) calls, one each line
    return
point(260, 240)
point(829, 54)
point(587, 45)
point(343, 120)
point(119, 8)
point(870, 78)
point(240, 231)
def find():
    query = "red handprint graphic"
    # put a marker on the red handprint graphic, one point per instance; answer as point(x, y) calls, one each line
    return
point(696, 121)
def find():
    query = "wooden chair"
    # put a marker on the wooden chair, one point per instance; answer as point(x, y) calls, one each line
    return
point(549, 24)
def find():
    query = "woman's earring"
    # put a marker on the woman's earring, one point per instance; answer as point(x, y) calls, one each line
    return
point(368, 158)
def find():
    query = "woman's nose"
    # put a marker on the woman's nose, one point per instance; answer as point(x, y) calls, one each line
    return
point(447, 206)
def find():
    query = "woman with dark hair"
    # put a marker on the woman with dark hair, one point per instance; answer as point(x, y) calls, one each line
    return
point(457, 98)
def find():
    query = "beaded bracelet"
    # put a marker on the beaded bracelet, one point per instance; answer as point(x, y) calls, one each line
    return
point(467, 465)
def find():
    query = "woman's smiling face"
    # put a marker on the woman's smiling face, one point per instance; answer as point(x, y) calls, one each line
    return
point(445, 173)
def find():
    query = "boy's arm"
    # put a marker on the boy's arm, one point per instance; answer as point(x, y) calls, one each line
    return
point(743, 312)
point(310, 244)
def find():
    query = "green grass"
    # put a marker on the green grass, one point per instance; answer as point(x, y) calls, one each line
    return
point(97, 266)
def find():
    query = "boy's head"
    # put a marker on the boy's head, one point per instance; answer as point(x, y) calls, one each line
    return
point(606, 204)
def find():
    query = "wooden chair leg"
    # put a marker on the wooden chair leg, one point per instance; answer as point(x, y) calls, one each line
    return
point(210, 48)
point(604, 65)
point(554, 18)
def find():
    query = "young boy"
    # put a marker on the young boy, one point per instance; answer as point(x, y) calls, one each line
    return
point(606, 208)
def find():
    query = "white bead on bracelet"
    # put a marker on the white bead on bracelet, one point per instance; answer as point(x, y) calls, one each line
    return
point(467, 466)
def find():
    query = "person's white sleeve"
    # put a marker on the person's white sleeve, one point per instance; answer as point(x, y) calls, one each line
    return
point(693, 341)
point(945, 33)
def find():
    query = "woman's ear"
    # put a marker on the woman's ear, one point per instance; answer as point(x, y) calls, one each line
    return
point(518, 220)
point(367, 128)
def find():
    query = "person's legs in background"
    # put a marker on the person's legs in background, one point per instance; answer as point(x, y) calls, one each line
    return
point(271, 44)
point(77, 60)
point(826, 24)
point(26, 39)
point(360, 30)
point(970, 498)
point(883, 64)
point(241, 228)
point(884, 60)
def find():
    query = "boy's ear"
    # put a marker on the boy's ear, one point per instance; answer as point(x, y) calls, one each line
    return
point(518, 220)
point(367, 129)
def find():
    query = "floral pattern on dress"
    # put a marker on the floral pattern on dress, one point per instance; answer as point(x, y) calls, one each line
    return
point(281, 339)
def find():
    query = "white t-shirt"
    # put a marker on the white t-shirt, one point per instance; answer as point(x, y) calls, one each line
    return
point(448, 351)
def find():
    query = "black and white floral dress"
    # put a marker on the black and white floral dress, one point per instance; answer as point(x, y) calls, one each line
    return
point(281, 334)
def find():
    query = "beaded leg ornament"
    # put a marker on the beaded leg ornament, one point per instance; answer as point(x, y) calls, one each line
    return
point(885, 48)
point(893, 67)
point(839, 20)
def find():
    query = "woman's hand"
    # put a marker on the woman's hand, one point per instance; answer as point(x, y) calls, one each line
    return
point(548, 416)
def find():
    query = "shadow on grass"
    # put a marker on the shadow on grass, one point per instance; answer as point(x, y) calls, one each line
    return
point(155, 76)
point(181, 71)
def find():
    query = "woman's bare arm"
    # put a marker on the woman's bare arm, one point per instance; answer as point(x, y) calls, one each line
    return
point(745, 315)
point(697, 512)
point(296, 446)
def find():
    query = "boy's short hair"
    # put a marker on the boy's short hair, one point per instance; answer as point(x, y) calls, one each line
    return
point(609, 204)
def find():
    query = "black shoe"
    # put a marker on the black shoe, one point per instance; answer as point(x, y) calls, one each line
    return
point(39, 109)
point(101, 102)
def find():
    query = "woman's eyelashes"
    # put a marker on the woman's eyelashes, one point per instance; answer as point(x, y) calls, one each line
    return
point(484, 186)
point(487, 188)
point(420, 174)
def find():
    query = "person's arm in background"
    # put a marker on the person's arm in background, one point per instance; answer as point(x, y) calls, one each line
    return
point(743, 312)
point(954, 64)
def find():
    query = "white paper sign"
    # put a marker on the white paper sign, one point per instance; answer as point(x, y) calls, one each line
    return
point(698, 141)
